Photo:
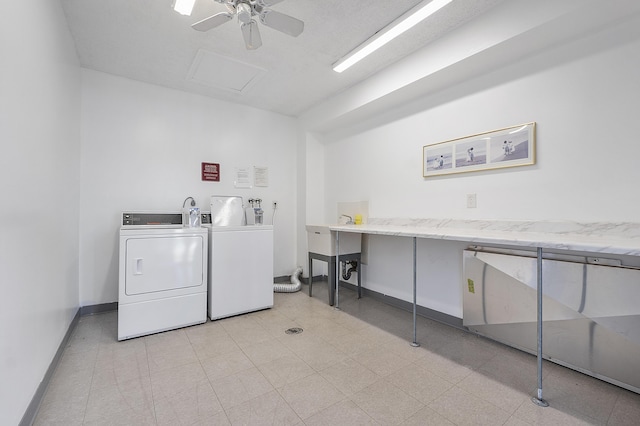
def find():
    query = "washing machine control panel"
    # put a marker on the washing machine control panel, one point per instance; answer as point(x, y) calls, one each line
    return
point(151, 219)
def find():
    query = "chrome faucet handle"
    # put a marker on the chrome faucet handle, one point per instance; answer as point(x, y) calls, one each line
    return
point(350, 221)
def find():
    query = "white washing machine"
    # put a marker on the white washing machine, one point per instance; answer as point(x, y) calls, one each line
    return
point(240, 269)
point(163, 274)
point(240, 260)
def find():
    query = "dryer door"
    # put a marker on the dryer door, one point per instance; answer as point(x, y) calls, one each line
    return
point(155, 264)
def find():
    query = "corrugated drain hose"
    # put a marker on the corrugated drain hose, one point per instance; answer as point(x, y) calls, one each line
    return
point(289, 288)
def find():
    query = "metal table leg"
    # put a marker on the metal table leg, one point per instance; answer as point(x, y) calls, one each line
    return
point(337, 271)
point(538, 400)
point(415, 343)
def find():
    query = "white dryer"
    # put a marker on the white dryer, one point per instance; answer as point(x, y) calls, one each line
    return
point(163, 274)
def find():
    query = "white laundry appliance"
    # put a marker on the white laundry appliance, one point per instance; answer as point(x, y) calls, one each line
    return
point(163, 274)
point(240, 260)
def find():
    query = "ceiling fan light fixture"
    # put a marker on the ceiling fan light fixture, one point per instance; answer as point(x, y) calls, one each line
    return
point(184, 7)
point(391, 31)
point(251, 34)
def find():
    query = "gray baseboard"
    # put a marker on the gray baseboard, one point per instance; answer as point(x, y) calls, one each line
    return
point(98, 309)
point(32, 410)
point(408, 306)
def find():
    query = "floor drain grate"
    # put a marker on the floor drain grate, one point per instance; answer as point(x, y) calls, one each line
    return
point(294, 330)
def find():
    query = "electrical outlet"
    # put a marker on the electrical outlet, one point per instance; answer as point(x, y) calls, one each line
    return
point(472, 201)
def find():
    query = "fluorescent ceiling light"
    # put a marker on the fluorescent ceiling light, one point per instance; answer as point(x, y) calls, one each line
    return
point(391, 31)
point(183, 7)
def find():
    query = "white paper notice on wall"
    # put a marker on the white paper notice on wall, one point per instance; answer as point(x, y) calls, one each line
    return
point(261, 176)
point(243, 177)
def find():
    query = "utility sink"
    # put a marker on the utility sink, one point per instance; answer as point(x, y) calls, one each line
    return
point(322, 241)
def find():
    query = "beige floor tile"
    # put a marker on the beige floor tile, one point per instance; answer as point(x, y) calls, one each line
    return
point(267, 409)
point(285, 370)
point(551, 416)
point(491, 390)
point(161, 341)
point(353, 343)
point(225, 365)
point(273, 321)
point(86, 337)
point(265, 352)
point(316, 352)
point(127, 417)
point(349, 376)
point(468, 350)
point(342, 413)
point(241, 361)
point(132, 396)
point(214, 346)
point(170, 357)
point(427, 416)
point(419, 383)
point(381, 362)
point(403, 348)
point(386, 403)
point(245, 330)
point(176, 380)
point(325, 328)
point(515, 369)
point(463, 408)
point(62, 411)
point(310, 395)
point(68, 387)
point(240, 387)
point(219, 419)
point(576, 392)
point(121, 362)
point(207, 331)
point(441, 366)
point(197, 404)
point(514, 421)
point(626, 411)
point(76, 361)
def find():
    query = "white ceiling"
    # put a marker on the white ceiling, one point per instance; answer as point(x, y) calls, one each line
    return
point(146, 40)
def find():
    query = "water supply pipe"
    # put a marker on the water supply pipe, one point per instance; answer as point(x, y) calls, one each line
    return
point(289, 288)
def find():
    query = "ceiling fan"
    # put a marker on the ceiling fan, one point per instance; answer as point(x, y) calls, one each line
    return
point(247, 12)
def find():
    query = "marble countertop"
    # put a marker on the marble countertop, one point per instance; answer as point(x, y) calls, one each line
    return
point(622, 238)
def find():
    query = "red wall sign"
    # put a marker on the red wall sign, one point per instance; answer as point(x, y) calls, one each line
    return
point(211, 172)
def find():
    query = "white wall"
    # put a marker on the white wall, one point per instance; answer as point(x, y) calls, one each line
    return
point(584, 97)
point(39, 172)
point(142, 148)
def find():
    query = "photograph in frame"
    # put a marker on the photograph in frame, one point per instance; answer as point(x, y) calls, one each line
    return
point(508, 147)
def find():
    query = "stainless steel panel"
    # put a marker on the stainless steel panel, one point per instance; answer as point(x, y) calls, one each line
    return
point(591, 313)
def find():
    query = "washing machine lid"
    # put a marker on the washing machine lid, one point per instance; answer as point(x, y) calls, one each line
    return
point(227, 211)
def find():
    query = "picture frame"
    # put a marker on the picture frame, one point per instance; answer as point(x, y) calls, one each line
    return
point(508, 147)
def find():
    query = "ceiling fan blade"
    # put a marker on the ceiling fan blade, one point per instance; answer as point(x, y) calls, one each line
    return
point(268, 3)
point(281, 22)
point(251, 34)
point(212, 21)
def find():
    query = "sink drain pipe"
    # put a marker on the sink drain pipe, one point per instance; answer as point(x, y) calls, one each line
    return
point(290, 288)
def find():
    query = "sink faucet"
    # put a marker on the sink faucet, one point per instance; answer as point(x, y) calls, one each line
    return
point(350, 221)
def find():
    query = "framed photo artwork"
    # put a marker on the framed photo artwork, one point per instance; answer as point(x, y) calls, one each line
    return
point(508, 147)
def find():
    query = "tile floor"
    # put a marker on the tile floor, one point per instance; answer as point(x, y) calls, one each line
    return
point(348, 367)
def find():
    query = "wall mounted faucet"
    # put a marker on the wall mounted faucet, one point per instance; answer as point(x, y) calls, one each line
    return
point(350, 221)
